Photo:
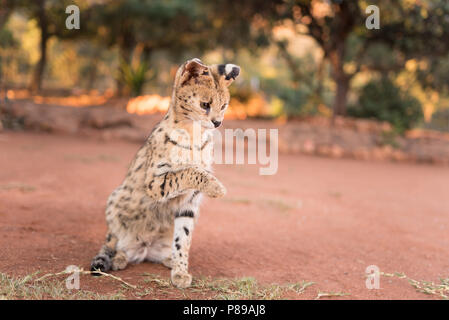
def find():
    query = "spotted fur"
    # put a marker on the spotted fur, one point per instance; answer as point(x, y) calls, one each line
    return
point(152, 214)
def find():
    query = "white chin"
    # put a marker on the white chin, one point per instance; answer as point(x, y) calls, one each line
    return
point(207, 125)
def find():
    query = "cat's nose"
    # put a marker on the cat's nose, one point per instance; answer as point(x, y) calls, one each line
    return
point(216, 123)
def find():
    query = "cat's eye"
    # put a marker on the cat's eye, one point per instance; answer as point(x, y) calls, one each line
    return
point(205, 105)
point(224, 106)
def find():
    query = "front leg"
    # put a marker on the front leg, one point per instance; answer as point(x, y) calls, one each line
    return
point(182, 237)
point(169, 184)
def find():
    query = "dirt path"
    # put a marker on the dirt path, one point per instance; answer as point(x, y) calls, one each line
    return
point(317, 219)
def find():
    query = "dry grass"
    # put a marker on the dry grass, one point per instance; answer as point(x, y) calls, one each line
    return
point(81, 271)
point(232, 289)
point(30, 289)
point(51, 286)
point(17, 186)
point(428, 287)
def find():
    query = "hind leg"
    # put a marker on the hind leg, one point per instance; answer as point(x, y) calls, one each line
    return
point(161, 250)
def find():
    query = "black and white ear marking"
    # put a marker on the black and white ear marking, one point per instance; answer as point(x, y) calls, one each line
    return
point(229, 71)
point(232, 71)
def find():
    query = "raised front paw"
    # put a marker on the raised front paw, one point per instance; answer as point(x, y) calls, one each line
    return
point(181, 279)
point(214, 188)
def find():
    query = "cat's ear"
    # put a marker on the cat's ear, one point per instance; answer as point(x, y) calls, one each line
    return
point(189, 70)
point(226, 73)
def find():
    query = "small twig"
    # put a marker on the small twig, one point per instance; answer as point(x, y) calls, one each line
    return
point(51, 274)
point(81, 271)
point(330, 294)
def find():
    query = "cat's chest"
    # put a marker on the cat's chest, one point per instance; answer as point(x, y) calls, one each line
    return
point(186, 150)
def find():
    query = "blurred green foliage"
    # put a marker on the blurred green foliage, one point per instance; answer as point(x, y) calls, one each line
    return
point(382, 100)
point(298, 101)
point(7, 38)
point(303, 57)
point(134, 76)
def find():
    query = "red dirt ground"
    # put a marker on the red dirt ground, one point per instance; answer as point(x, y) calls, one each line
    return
point(317, 219)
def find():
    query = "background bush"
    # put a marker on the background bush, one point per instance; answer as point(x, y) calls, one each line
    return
point(382, 100)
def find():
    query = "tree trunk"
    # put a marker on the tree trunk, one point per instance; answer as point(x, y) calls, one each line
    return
point(36, 81)
point(320, 78)
point(342, 80)
point(92, 74)
point(5, 12)
point(341, 96)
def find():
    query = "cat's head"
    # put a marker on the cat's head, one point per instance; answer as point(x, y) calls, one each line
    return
point(201, 92)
